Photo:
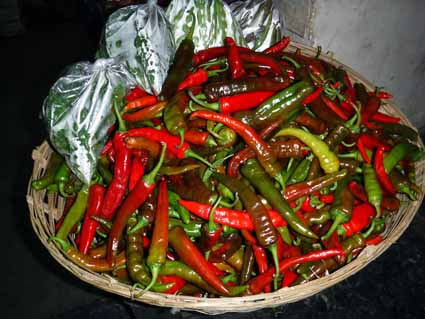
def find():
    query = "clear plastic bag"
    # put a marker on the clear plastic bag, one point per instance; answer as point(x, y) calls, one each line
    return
point(78, 111)
point(213, 22)
point(142, 36)
point(259, 21)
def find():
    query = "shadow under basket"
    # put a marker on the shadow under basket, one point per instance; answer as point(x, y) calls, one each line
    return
point(45, 209)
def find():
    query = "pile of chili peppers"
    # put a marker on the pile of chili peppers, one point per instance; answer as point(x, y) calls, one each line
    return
point(250, 172)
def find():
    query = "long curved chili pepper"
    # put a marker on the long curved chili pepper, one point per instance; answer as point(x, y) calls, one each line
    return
point(278, 47)
point(205, 55)
point(261, 258)
point(137, 169)
point(55, 161)
point(383, 178)
point(384, 118)
point(192, 257)
point(141, 102)
point(259, 179)
point(397, 153)
point(262, 59)
point(334, 107)
point(233, 57)
point(257, 284)
point(341, 208)
point(62, 178)
point(180, 68)
point(75, 214)
point(361, 217)
point(194, 79)
point(314, 124)
point(247, 266)
point(159, 240)
point(358, 190)
point(264, 230)
point(143, 143)
point(86, 261)
point(172, 142)
point(295, 191)
point(211, 231)
point(214, 91)
point(251, 138)
point(88, 230)
point(197, 137)
point(227, 246)
point(368, 141)
point(146, 113)
point(404, 185)
point(328, 160)
point(134, 199)
point(230, 217)
point(373, 188)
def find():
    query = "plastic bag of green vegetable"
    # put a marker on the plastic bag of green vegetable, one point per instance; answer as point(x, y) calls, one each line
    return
point(78, 114)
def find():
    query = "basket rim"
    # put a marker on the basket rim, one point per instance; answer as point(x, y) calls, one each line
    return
point(231, 304)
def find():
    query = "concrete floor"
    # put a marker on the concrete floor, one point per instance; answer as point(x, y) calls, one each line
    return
point(36, 286)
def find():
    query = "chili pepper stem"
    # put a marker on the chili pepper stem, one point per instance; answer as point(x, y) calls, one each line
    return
point(63, 243)
point(210, 106)
point(121, 123)
point(212, 226)
point(61, 189)
point(337, 221)
point(295, 63)
point(192, 154)
point(181, 134)
point(150, 178)
point(273, 250)
point(141, 223)
point(155, 268)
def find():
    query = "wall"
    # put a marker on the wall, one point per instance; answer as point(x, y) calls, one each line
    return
point(384, 40)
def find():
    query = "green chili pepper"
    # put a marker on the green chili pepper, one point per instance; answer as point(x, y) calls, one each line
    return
point(103, 168)
point(192, 229)
point(48, 178)
point(174, 113)
point(75, 214)
point(373, 188)
point(397, 153)
point(173, 200)
point(328, 160)
point(256, 175)
point(62, 177)
point(400, 129)
point(301, 171)
point(404, 185)
point(342, 206)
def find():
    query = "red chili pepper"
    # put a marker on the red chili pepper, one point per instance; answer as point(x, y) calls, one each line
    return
point(135, 93)
point(313, 96)
point(332, 242)
point(172, 142)
point(196, 137)
point(260, 258)
point(257, 284)
point(170, 256)
point(369, 141)
point(116, 189)
point(108, 146)
point(384, 118)
point(88, 230)
point(205, 55)
point(371, 107)
point(230, 217)
point(381, 95)
point(358, 191)
point(262, 59)
point(147, 113)
point(190, 255)
point(249, 135)
point(138, 165)
point(278, 47)
point(193, 79)
point(243, 101)
point(375, 240)
point(381, 174)
point(135, 198)
point(141, 102)
point(335, 108)
point(300, 214)
point(235, 63)
point(306, 206)
point(327, 199)
point(288, 278)
point(178, 283)
point(360, 219)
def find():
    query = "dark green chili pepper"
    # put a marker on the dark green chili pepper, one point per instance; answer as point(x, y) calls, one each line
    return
point(397, 153)
point(404, 185)
point(301, 171)
point(75, 214)
point(177, 170)
point(256, 175)
point(247, 266)
point(181, 65)
point(373, 188)
point(173, 200)
point(226, 137)
point(400, 129)
point(342, 206)
point(174, 113)
point(48, 178)
point(103, 168)
point(192, 229)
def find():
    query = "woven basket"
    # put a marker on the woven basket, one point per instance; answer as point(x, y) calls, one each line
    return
point(45, 209)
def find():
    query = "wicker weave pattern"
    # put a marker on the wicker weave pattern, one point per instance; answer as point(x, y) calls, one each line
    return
point(45, 209)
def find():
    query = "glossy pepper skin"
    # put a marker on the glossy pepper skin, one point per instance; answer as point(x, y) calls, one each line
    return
point(192, 257)
point(96, 194)
point(259, 179)
point(360, 219)
point(373, 189)
point(173, 117)
point(133, 200)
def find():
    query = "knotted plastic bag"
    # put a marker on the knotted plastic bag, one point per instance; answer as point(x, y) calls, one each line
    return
point(259, 21)
point(213, 21)
point(78, 111)
point(142, 36)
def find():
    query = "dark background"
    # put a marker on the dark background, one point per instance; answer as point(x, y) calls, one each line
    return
point(54, 35)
